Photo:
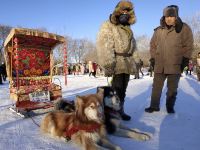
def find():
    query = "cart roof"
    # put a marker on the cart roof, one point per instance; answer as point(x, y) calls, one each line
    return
point(33, 37)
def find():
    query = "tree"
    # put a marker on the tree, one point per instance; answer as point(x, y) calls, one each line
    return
point(142, 49)
point(78, 50)
point(194, 23)
point(90, 53)
point(142, 42)
point(4, 31)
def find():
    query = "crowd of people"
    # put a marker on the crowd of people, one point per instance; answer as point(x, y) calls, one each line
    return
point(90, 68)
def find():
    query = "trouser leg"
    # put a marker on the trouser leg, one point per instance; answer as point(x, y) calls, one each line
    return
point(120, 83)
point(172, 86)
point(198, 73)
point(94, 73)
point(0, 78)
point(158, 83)
point(141, 71)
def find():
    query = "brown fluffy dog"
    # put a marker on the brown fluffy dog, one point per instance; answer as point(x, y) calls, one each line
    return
point(84, 126)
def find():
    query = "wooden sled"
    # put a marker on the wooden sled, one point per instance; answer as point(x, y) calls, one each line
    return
point(29, 64)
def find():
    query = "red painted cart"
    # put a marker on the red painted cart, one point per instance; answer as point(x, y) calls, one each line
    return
point(29, 62)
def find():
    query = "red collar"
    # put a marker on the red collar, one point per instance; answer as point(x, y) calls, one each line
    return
point(88, 128)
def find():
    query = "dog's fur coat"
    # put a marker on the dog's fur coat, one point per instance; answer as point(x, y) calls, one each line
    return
point(112, 117)
point(88, 112)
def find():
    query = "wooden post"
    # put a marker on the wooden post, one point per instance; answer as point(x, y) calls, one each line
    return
point(65, 61)
point(16, 61)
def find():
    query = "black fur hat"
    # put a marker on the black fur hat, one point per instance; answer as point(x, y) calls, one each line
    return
point(123, 5)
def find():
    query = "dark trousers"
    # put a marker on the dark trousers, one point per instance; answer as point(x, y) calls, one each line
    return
point(0, 78)
point(172, 85)
point(198, 72)
point(141, 71)
point(93, 73)
point(120, 83)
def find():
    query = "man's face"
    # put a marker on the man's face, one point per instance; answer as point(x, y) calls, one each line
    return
point(170, 21)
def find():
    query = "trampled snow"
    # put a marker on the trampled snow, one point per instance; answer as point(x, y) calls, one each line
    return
point(179, 131)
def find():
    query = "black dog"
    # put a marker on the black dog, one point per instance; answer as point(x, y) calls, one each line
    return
point(112, 116)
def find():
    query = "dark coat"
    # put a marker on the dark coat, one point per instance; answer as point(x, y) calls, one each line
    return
point(169, 46)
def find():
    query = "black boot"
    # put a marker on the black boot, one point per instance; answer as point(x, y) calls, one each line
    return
point(151, 109)
point(170, 110)
point(123, 115)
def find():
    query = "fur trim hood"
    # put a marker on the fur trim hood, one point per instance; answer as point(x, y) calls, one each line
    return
point(123, 5)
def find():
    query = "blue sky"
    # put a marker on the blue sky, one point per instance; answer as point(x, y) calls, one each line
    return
point(82, 18)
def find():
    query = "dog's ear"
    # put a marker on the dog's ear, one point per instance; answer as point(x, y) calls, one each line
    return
point(100, 93)
point(79, 108)
point(78, 105)
point(78, 102)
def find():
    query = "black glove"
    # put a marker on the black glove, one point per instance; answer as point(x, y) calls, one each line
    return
point(152, 62)
point(184, 63)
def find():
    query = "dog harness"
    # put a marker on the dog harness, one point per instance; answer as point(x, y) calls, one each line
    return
point(88, 128)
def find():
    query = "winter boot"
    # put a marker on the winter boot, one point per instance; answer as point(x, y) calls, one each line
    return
point(123, 115)
point(170, 110)
point(151, 109)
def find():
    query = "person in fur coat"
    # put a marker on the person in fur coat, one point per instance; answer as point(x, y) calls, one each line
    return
point(115, 48)
point(171, 48)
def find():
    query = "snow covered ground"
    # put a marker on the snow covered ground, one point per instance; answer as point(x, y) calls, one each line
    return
point(179, 131)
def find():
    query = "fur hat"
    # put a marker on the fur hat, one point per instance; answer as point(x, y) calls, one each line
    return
point(171, 11)
point(123, 5)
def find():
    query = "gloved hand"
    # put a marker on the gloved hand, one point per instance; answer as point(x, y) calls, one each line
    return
point(185, 62)
point(109, 70)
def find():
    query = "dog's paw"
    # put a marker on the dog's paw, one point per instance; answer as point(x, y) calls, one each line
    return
point(144, 137)
point(118, 148)
point(140, 136)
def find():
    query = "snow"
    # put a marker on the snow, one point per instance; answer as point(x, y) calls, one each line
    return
point(179, 131)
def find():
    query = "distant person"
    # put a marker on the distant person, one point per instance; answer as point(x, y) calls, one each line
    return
point(82, 66)
point(151, 66)
point(137, 73)
point(94, 66)
point(4, 73)
point(190, 67)
point(171, 47)
point(1, 74)
point(186, 69)
point(90, 67)
point(115, 49)
point(198, 66)
point(141, 66)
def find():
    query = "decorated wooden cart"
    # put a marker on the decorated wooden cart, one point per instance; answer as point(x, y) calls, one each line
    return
point(29, 63)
